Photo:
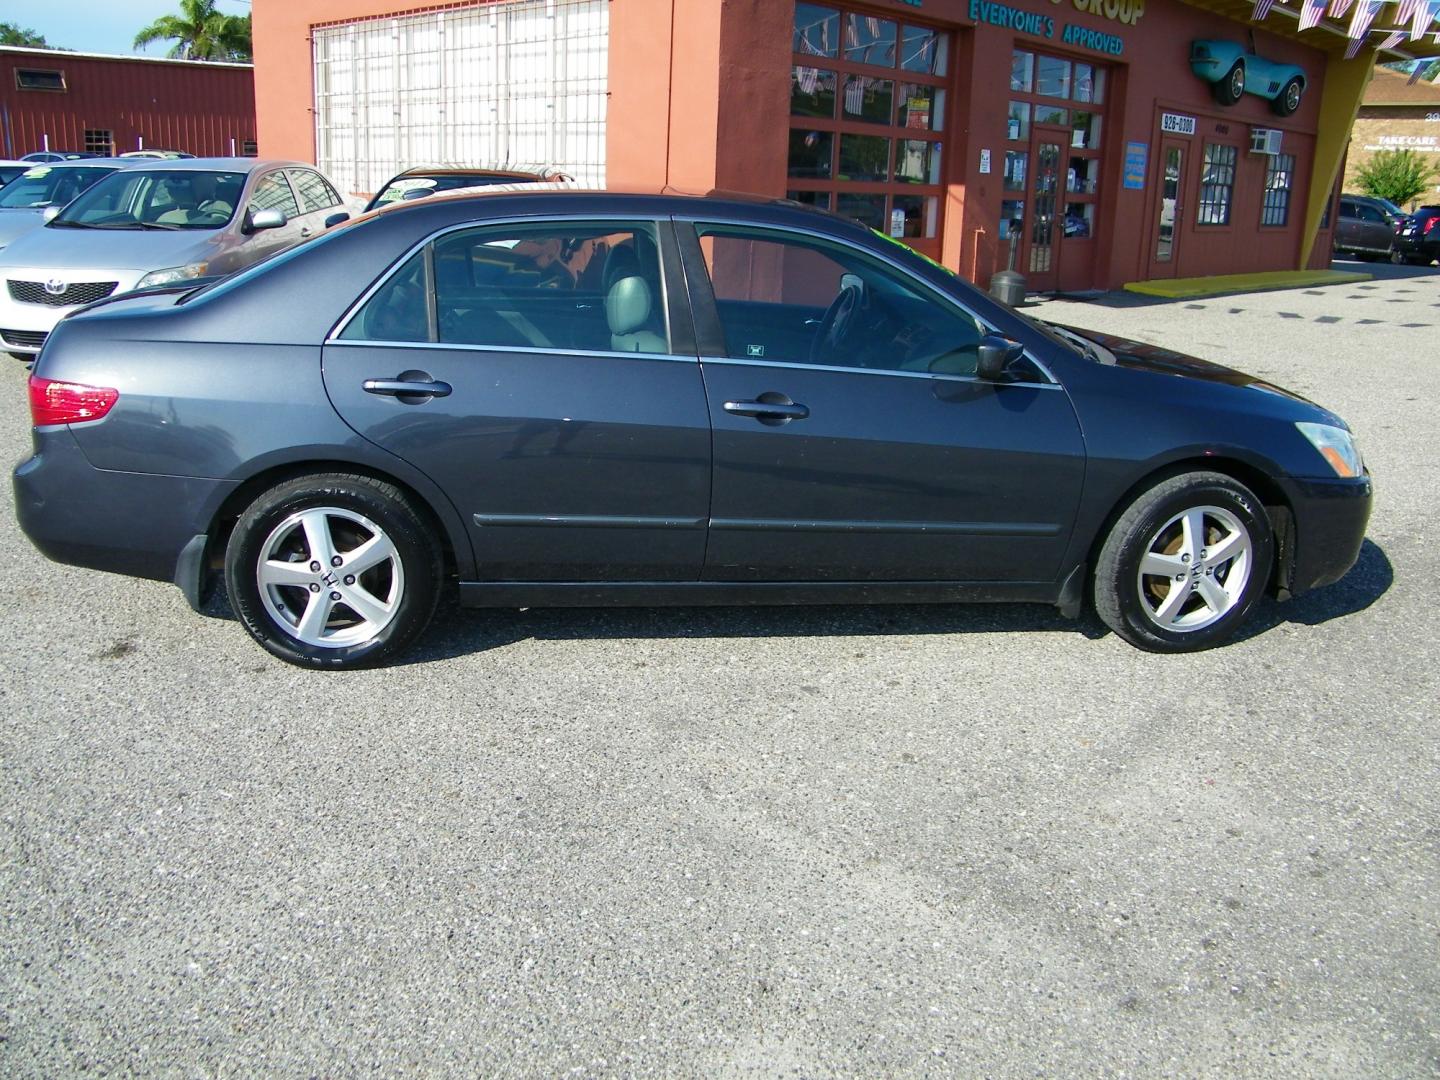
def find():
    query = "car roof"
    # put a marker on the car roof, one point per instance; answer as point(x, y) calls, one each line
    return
point(214, 164)
point(529, 199)
point(519, 172)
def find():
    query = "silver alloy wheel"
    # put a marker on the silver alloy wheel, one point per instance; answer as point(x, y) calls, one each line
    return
point(1195, 569)
point(1237, 81)
point(330, 577)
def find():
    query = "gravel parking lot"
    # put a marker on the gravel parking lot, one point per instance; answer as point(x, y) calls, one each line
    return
point(782, 842)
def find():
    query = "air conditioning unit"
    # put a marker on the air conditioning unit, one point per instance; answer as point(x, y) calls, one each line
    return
point(1265, 140)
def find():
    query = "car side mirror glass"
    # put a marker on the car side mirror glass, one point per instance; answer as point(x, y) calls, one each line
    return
point(336, 219)
point(51, 212)
point(994, 355)
point(267, 219)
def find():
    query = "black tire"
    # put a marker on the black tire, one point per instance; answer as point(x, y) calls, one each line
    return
point(1225, 90)
point(410, 577)
point(1288, 100)
point(25, 357)
point(1397, 258)
point(1127, 603)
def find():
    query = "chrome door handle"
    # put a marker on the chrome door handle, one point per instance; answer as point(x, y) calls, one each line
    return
point(405, 388)
point(768, 410)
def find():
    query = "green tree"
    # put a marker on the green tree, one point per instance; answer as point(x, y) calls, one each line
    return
point(201, 32)
point(12, 34)
point(1397, 175)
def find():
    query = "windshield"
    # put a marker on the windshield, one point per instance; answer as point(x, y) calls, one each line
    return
point(417, 187)
point(46, 185)
point(156, 199)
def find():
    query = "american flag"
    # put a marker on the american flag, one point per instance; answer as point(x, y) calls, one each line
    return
point(1262, 8)
point(1424, 15)
point(1405, 11)
point(1311, 13)
point(855, 94)
point(1365, 12)
point(1338, 8)
point(808, 78)
point(1353, 48)
point(1391, 40)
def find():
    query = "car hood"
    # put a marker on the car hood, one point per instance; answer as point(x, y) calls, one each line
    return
point(1137, 355)
point(17, 221)
point(110, 249)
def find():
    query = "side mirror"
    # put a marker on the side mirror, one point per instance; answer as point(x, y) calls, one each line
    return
point(51, 212)
point(267, 219)
point(994, 354)
point(336, 219)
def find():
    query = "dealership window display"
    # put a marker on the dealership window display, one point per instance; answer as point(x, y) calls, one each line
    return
point(1217, 184)
point(867, 116)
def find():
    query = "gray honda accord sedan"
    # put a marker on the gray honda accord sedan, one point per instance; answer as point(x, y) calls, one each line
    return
point(535, 397)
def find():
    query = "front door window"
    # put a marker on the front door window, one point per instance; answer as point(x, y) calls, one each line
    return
point(1043, 235)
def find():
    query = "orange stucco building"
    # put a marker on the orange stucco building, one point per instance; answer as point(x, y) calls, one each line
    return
point(1075, 132)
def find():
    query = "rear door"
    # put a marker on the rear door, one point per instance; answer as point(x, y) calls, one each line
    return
point(318, 200)
point(544, 375)
point(852, 440)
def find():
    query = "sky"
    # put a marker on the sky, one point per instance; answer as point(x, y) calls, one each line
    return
point(105, 26)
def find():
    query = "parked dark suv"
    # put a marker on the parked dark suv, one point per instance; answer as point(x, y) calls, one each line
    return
point(1417, 239)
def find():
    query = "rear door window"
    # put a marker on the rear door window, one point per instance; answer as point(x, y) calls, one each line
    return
point(572, 286)
point(314, 192)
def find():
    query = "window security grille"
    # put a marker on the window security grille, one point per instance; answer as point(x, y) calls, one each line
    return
point(517, 82)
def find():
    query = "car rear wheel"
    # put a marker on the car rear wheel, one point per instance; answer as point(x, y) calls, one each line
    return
point(1185, 564)
point(1231, 88)
point(333, 571)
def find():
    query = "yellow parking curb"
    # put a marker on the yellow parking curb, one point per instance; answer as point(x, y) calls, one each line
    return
point(1185, 288)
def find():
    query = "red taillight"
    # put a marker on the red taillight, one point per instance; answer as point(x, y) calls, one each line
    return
point(54, 402)
point(1430, 224)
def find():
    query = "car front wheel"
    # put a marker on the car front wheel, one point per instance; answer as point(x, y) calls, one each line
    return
point(1231, 88)
point(333, 571)
point(1185, 564)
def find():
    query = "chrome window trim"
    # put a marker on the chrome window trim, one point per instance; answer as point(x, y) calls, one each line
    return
point(520, 219)
point(765, 226)
point(795, 365)
point(527, 350)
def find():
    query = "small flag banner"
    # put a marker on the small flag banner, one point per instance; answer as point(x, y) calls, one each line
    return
point(1353, 47)
point(1405, 11)
point(1391, 40)
point(1338, 8)
point(1262, 8)
point(1425, 13)
point(1365, 12)
point(1310, 14)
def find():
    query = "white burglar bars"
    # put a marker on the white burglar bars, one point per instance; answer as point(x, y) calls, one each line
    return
point(511, 82)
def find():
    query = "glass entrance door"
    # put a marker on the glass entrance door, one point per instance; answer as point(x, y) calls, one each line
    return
point(1170, 183)
point(1042, 264)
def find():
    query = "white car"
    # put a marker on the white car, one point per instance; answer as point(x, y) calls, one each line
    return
point(37, 195)
point(156, 223)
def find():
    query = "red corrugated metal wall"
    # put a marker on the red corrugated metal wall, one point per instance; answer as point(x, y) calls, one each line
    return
point(199, 108)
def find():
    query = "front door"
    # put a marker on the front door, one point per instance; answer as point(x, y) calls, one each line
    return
point(528, 370)
point(852, 441)
point(1168, 210)
point(1046, 230)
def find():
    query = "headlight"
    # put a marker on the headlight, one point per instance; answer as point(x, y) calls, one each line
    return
point(1336, 446)
point(172, 275)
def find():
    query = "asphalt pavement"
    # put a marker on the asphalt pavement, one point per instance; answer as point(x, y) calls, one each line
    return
point(910, 841)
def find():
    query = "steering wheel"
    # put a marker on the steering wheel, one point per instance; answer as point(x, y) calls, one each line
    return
point(834, 325)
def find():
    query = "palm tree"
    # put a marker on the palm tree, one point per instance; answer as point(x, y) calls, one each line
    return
point(200, 32)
